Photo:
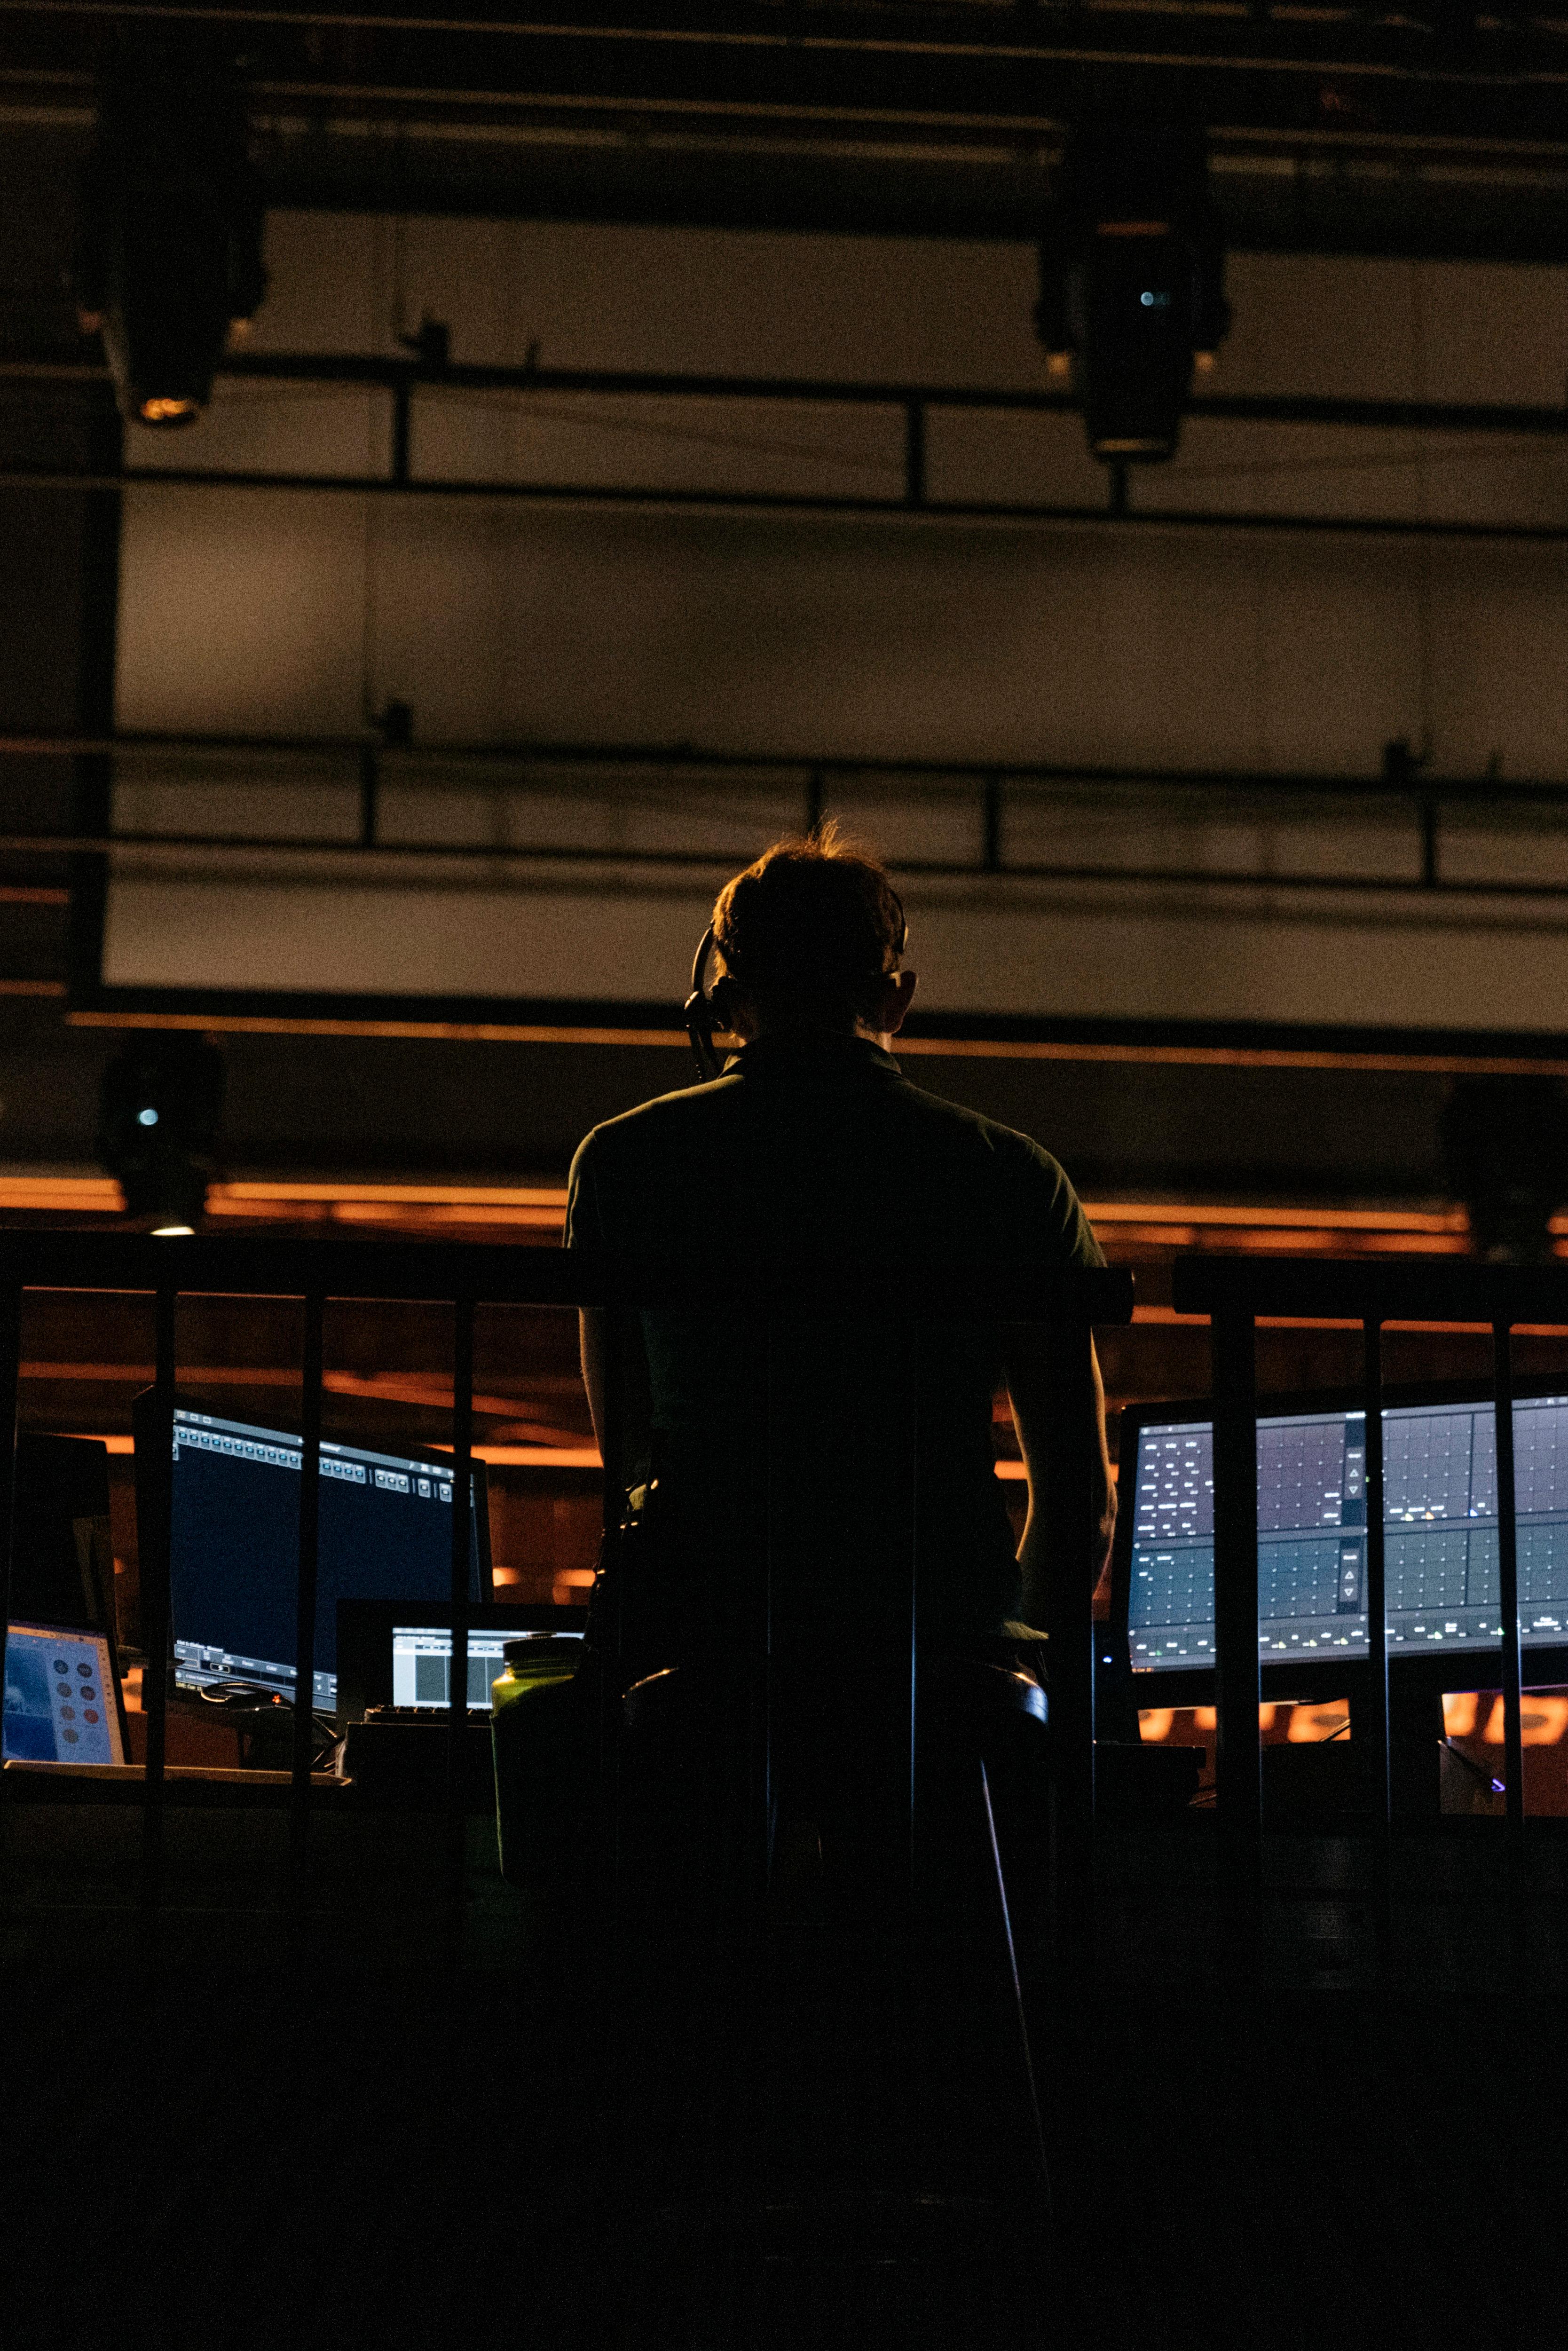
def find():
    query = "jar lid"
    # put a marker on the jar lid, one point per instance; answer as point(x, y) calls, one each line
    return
point(533, 1649)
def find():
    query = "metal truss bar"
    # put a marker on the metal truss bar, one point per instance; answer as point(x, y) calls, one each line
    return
point(915, 46)
point(802, 506)
point(817, 767)
point(694, 861)
point(391, 373)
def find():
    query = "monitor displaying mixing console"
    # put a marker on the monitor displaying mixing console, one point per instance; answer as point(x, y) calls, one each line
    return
point(1440, 1533)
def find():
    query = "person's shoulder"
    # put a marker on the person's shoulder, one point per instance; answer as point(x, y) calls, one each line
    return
point(1006, 1144)
point(1018, 1176)
point(649, 1122)
point(617, 1159)
point(635, 1135)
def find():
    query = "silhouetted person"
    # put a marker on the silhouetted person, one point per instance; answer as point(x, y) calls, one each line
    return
point(813, 1144)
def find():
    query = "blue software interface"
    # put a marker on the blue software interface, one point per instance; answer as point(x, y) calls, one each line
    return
point(1440, 1538)
point(59, 1702)
point(385, 1535)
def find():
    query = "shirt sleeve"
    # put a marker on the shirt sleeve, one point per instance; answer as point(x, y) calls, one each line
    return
point(1053, 1215)
point(584, 1222)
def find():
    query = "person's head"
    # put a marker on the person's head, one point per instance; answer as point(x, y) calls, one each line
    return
point(812, 936)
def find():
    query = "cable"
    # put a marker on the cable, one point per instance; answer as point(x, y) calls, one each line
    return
point(237, 1697)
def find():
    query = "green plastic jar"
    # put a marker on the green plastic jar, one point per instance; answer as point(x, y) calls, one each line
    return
point(532, 1722)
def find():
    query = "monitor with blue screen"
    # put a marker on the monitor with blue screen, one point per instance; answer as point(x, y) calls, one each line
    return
point(385, 1532)
point(61, 1705)
point(1440, 1535)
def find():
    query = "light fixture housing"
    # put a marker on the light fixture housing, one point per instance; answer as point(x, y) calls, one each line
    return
point(165, 1163)
point(168, 256)
point(1132, 283)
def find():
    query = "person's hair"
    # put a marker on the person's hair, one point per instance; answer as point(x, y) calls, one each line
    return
point(811, 930)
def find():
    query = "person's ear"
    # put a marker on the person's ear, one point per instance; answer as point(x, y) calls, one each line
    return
point(736, 1013)
point(897, 995)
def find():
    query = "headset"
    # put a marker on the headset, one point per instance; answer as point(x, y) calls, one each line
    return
point(704, 1012)
point(702, 1015)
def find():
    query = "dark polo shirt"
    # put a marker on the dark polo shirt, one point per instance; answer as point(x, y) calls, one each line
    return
point(851, 1446)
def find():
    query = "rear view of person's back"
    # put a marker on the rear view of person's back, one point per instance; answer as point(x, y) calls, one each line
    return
point(816, 1452)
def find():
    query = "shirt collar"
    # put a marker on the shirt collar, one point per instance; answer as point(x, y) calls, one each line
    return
point(812, 1053)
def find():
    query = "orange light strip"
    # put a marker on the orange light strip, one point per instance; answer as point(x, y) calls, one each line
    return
point(546, 1202)
point(986, 1048)
point(497, 1196)
point(473, 1032)
point(529, 1457)
point(1318, 1219)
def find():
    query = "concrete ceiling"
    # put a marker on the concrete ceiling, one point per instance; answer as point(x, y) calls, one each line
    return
point(1431, 130)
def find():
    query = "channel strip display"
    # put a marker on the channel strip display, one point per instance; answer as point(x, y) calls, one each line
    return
point(1439, 1517)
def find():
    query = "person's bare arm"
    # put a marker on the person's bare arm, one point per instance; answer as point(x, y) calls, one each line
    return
point(591, 1346)
point(1028, 1389)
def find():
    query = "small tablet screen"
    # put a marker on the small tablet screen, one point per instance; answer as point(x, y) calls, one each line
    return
point(60, 1698)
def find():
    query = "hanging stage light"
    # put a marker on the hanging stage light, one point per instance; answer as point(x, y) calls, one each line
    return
point(168, 256)
point(160, 1113)
point(1132, 282)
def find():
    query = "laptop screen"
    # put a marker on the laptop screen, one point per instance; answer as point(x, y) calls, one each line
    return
point(1440, 1533)
point(60, 1698)
point(385, 1530)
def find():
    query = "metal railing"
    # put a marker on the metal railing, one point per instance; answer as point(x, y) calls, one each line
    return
point(992, 800)
point(1235, 1293)
point(466, 1278)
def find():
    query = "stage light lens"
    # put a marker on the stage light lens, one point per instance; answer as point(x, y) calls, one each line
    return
point(146, 1118)
point(173, 1232)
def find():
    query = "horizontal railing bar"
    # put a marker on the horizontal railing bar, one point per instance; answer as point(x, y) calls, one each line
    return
point(807, 505)
point(1410, 1289)
point(396, 853)
point(1420, 784)
point(395, 373)
point(494, 1273)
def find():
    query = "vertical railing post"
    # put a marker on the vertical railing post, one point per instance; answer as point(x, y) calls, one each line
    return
point(1238, 1770)
point(1069, 1554)
point(10, 1389)
point(462, 1540)
point(304, 1590)
point(615, 1315)
point(915, 453)
point(917, 1613)
point(991, 824)
point(759, 1665)
point(154, 1570)
point(1507, 1610)
point(1375, 1597)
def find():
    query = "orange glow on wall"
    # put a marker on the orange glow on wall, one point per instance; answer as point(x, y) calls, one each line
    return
point(1543, 1722)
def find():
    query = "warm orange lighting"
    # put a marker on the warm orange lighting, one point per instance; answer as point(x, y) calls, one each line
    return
point(170, 412)
point(1323, 1219)
point(535, 1457)
point(1542, 1721)
point(990, 1049)
point(490, 1196)
point(1155, 1723)
point(1310, 1723)
point(1459, 1714)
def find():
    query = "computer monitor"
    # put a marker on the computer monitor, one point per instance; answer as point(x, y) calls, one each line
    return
point(62, 1702)
point(368, 1631)
point(422, 1665)
point(385, 1529)
point(1440, 1541)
